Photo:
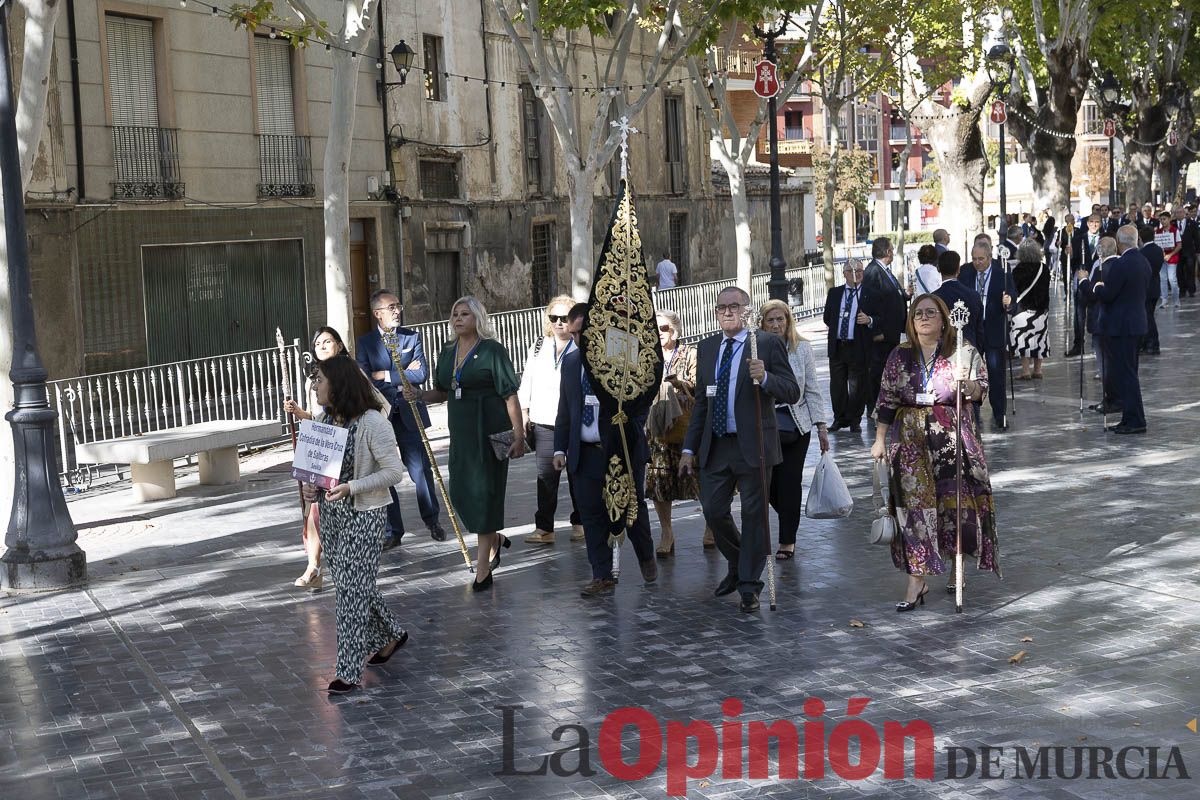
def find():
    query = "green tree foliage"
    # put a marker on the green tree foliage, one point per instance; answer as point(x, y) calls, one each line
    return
point(855, 176)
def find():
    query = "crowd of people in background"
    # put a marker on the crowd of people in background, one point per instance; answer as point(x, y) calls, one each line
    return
point(892, 352)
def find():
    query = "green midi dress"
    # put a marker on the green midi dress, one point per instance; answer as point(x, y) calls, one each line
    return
point(478, 480)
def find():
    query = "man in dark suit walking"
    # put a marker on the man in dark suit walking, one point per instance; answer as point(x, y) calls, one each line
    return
point(1084, 247)
point(886, 307)
point(722, 438)
point(1123, 294)
point(849, 341)
point(1155, 257)
point(375, 360)
point(580, 429)
point(1189, 245)
point(953, 290)
point(995, 287)
point(1106, 258)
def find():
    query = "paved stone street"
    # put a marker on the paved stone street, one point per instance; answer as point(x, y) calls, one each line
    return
point(191, 668)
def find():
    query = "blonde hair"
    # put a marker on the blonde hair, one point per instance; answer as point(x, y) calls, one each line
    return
point(558, 300)
point(791, 336)
point(673, 318)
point(483, 326)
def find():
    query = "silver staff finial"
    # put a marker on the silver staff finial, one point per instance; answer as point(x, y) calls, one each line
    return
point(625, 128)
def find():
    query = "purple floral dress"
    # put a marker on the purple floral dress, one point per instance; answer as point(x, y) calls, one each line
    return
point(921, 454)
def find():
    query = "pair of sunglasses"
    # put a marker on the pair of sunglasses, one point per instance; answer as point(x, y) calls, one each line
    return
point(558, 318)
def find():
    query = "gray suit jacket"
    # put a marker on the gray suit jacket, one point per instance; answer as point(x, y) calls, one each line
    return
point(780, 387)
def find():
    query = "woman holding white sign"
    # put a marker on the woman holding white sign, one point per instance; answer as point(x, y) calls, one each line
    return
point(476, 378)
point(352, 519)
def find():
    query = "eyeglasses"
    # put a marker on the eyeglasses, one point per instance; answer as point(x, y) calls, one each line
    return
point(393, 307)
point(731, 308)
point(557, 317)
point(926, 313)
point(665, 328)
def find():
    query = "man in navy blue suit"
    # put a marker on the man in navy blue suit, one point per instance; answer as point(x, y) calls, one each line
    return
point(849, 342)
point(953, 290)
point(580, 430)
point(995, 287)
point(1084, 247)
point(375, 360)
point(1106, 257)
point(886, 307)
point(1123, 295)
point(1155, 256)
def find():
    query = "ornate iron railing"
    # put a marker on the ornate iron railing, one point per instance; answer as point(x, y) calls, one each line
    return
point(239, 386)
point(285, 166)
point(146, 163)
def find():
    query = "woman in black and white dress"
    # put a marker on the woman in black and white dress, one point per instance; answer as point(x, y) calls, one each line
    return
point(1030, 335)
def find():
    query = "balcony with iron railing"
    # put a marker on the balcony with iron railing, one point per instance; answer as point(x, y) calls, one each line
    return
point(146, 163)
point(285, 166)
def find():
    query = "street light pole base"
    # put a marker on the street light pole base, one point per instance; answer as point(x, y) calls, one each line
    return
point(36, 572)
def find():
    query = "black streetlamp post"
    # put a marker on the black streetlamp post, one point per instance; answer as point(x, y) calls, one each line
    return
point(778, 286)
point(1001, 53)
point(41, 550)
point(1110, 95)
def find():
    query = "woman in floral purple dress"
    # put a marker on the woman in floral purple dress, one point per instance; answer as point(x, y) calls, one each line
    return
point(915, 431)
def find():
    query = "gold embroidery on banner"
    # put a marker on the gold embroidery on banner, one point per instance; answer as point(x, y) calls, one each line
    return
point(620, 495)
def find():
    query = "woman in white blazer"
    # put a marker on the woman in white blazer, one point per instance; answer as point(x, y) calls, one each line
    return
point(796, 422)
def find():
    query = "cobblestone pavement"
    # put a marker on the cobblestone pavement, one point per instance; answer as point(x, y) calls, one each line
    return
point(190, 668)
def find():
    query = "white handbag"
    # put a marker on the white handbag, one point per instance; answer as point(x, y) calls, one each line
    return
point(884, 527)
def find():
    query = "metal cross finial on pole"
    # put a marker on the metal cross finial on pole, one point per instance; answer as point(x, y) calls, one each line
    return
point(625, 128)
point(959, 317)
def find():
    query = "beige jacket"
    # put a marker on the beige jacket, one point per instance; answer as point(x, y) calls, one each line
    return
point(377, 463)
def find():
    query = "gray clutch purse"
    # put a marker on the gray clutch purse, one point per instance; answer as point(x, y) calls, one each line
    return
point(501, 442)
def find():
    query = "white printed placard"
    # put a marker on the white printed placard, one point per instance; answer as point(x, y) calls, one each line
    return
point(1165, 240)
point(319, 452)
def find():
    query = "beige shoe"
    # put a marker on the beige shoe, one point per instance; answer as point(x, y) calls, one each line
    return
point(577, 533)
point(314, 580)
point(709, 542)
point(540, 536)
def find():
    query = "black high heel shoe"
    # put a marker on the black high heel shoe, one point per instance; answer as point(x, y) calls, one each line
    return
point(479, 586)
point(904, 605)
point(379, 659)
point(504, 542)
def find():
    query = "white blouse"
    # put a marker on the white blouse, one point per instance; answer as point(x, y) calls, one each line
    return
point(540, 381)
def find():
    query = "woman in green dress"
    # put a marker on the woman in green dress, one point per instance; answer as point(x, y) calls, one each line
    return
point(476, 378)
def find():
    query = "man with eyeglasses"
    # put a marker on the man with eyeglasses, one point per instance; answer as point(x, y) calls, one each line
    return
point(849, 340)
point(375, 360)
point(722, 438)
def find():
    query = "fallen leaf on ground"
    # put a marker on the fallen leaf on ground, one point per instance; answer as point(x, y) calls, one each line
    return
point(1026, 638)
point(1018, 658)
point(704, 784)
point(857, 623)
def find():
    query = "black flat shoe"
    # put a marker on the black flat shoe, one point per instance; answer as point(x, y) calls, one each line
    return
point(479, 586)
point(339, 686)
point(785, 555)
point(437, 532)
point(904, 605)
point(379, 658)
point(504, 542)
point(749, 602)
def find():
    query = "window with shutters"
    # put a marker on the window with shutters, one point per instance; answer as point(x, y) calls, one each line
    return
point(673, 123)
point(435, 68)
point(677, 243)
point(145, 155)
point(531, 121)
point(285, 163)
point(542, 241)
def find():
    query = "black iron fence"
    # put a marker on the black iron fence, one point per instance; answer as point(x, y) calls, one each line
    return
point(146, 163)
point(285, 166)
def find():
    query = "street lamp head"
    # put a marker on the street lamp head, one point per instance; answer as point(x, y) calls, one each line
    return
point(1110, 90)
point(999, 51)
point(402, 57)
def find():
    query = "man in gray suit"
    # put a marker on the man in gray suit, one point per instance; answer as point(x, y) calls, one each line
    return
point(722, 438)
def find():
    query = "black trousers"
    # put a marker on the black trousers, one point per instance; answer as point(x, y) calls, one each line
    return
point(1150, 340)
point(1186, 273)
point(725, 471)
point(548, 480)
point(589, 497)
point(848, 382)
point(786, 479)
point(1077, 325)
point(1123, 377)
point(876, 361)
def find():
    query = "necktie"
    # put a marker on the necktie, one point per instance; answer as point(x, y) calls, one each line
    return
point(719, 422)
point(980, 283)
point(844, 331)
point(589, 411)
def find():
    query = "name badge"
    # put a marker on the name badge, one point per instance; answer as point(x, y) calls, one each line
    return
point(926, 398)
point(711, 391)
point(591, 400)
point(458, 394)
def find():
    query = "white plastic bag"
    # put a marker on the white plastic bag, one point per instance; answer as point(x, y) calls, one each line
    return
point(828, 497)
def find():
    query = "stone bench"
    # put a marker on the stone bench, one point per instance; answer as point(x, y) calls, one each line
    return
point(151, 456)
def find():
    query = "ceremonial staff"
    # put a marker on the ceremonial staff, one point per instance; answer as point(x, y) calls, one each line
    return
point(391, 341)
point(285, 373)
point(762, 461)
point(958, 318)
